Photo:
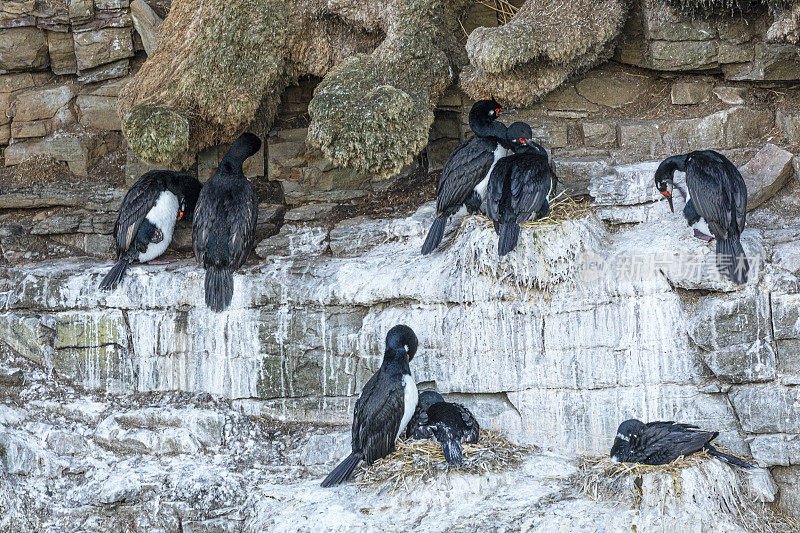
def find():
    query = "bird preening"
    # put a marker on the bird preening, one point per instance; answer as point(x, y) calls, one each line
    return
point(385, 406)
point(147, 216)
point(449, 423)
point(716, 203)
point(223, 231)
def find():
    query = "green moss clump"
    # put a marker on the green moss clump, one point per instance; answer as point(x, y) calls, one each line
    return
point(540, 48)
point(373, 112)
point(237, 57)
point(157, 135)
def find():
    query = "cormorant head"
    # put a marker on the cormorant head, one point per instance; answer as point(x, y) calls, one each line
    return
point(243, 147)
point(517, 134)
point(484, 112)
point(664, 181)
point(401, 338)
point(188, 190)
point(627, 432)
point(428, 398)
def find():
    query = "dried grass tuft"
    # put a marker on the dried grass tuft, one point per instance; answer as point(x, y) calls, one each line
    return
point(416, 461)
point(562, 209)
point(600, 478)
point(505, 9)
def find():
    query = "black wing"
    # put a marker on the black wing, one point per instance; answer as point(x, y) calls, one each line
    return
point(472, 431)
point(225, 220)
point(418, 427)
point(377, 417)
point(138, 201)
point(531, 181)
point(467, 165)
point(501, 174)
point(662, 443)
point(718, 193)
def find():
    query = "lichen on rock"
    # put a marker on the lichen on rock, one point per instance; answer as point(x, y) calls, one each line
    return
point(222, 66)
point(540, 47)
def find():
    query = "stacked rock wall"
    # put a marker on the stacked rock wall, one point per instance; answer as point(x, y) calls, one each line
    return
point(538, 347)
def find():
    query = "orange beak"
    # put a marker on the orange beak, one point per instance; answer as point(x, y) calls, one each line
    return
point(669, 198)
point(180, 214)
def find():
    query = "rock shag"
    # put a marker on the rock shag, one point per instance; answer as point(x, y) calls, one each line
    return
point(716, 198)
point(660, 443)
point(147, 216)
point(519, 187)
point(466, 172)
point(385, 407)
point(449, 423)
point(224, 224)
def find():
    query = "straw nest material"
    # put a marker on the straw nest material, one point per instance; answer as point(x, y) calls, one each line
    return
point(416, 461)
point(600, 478)
point(562, 208)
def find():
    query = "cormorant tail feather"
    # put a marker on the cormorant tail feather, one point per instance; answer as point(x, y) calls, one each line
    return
point(451, 448)
point(343, 472)
point(728, 458)
point(731, 259)
point(435, 235)
point(219, 288)
point(509, 235)
point(116, 274)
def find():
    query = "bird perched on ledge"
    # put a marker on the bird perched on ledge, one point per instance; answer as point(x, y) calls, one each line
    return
point(466, 172)
point(147, 216)
point(519, 186)
point(716, 203)
point(225, 221)
point(659, 443)
point(385, 406)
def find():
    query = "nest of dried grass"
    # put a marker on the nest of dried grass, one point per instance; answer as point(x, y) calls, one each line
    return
point(416, 461)
point(505, 10)
point(562, 208)
point(600, 478)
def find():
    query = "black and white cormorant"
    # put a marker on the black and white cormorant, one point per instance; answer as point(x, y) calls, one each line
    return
point(466, 173)
point(147, 218)
point(449, 423)
point(519, 186)
point(225, 222)
point(385, 406)
point(659, 443)
point(716, 198)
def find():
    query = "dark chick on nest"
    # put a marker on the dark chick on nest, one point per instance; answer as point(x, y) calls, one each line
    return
point(449, 423)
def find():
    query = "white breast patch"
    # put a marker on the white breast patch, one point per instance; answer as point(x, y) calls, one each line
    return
point(163, 215)
point(410, 398)
point(499, 153)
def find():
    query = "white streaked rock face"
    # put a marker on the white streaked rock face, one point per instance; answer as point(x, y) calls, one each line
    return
point(542, 345)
